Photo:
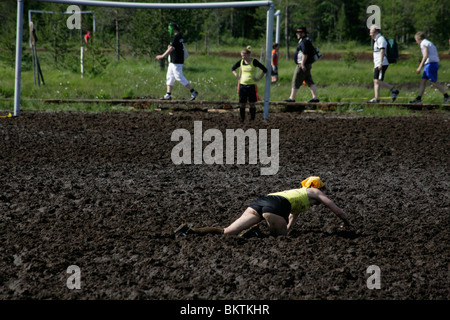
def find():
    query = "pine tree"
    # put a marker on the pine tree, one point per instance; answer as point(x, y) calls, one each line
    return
point(8, 34)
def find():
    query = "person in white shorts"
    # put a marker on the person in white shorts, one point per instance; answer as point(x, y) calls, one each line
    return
point(430, 65)
point(175, 51)
point(380, 65)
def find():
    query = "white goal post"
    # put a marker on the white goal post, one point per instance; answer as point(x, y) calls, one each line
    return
point(137, 5)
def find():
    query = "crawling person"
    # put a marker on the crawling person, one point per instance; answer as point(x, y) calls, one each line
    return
point(280, 210)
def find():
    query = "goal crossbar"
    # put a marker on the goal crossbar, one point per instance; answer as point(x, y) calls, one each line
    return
point(143, 5)
point(140, 5)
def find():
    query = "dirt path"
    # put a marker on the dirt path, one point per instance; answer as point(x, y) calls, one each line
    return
point(100, 191)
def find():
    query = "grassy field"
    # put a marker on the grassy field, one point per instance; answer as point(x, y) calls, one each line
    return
point(211, 75)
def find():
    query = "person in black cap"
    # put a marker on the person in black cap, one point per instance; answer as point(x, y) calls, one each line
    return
point(175, 51)
point(303, 57)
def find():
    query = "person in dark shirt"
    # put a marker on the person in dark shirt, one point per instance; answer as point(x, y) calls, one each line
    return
point(175, 51)
point(247, 81)
point(303, 57)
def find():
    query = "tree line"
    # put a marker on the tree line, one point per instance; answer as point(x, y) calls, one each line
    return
point(144, 31)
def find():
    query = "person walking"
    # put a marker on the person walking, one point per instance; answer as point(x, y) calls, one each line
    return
point(380, 65)
point(304, 58)
point(247, 79)
point(274, 62)
point(175, 51)
point(430, 65)
point(87, 37)
point(280, 210)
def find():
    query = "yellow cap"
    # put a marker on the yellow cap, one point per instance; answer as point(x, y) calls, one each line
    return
point(314, 182)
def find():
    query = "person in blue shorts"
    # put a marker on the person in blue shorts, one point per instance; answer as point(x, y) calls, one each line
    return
point(430, 65)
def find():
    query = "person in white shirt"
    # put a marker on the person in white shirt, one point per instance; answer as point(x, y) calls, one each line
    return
point(430, 65)
point(380, 65)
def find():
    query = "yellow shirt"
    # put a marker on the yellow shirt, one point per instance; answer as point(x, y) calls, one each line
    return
point(248, 73)
point(298, 198)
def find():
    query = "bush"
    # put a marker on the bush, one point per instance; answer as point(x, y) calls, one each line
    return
point(349, 58)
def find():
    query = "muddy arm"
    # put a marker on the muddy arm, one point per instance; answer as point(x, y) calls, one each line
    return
point(334, 208)
point(292, 219)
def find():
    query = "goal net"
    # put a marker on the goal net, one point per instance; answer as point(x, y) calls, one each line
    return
point(144, 30)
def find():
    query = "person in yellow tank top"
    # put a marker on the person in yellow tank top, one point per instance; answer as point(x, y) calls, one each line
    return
point(280, 210)
point(247, 81)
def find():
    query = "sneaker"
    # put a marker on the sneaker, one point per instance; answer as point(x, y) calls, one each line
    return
point(416, 101)
point(252, 232)
point(194, 95)
point(313, 101)
point(395, 95)
point(166, 97)
point(446, 100)
point(373, 101)
point(183, 230)
point(289, 100)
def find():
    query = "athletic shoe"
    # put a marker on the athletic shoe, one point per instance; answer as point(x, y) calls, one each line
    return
point(183, 230)
point(416, 101)
point(373, 101)
point(251, 232)
point(194, 95)
point(166, 97)
point(395, 95)
point(289, 100)
point(313, 101)
point(446, 100)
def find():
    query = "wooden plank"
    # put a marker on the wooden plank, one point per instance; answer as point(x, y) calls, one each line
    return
point(201, 104)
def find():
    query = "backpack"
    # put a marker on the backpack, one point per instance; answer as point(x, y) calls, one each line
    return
point(186, 53)
point(392, 51)
point(317, 54)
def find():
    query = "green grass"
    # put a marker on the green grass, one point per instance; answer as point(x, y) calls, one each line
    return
point(384, 111)
point(211, 76)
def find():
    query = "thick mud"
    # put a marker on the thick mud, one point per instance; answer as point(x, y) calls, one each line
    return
point(101, 192)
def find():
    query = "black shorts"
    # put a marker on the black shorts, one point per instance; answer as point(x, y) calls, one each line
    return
point(274, 71)
point(247, 92)
point(377, 74)
point(272, 204)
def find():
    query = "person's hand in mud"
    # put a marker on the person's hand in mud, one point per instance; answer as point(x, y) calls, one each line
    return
point(317, 196)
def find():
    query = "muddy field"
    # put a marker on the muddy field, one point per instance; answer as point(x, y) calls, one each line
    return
point(101, 192)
